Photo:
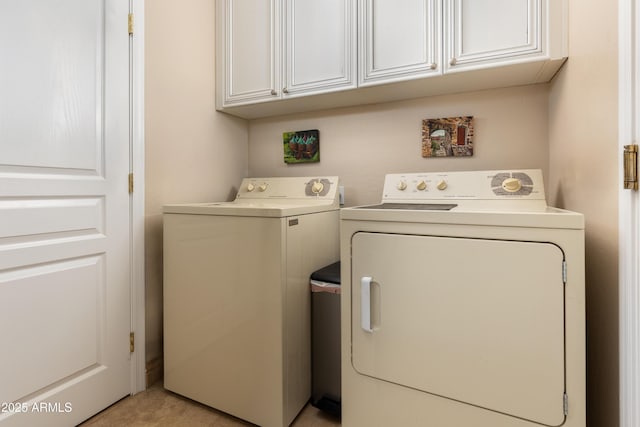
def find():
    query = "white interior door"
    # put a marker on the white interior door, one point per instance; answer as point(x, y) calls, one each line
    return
point(64, 209)
point(629, 216)
point(473, 320)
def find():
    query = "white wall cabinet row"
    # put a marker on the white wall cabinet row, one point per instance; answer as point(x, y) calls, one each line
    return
point(284, 56)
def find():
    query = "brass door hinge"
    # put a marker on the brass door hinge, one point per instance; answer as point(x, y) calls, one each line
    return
point(130, 183)
point(132, 342)
point(130, 22)
point(631, 167)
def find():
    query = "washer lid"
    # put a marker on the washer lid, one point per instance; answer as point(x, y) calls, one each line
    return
point(272, 197)
point(256, 208)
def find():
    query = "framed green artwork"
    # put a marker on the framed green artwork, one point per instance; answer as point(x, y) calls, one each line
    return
point(301, 146)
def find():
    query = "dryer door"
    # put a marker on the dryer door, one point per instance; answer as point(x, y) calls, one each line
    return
point(478, 321)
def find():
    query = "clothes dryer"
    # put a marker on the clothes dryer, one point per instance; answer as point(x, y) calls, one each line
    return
point(463, 304)
point(236, 295)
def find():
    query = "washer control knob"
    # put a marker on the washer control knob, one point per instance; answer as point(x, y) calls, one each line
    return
point(402, 185)
point(250, 187)
point(442, 184)
point(262, 187)
point(421, 186)
point(317, 187)
point(511, 185)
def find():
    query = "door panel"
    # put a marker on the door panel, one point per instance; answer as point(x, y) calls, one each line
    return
point(319, 45)
point(251, 42)
point(478, 321)
point(22, 219)
point(398, 40)
point(513, 21)
point(516, 28)
point(53, 84)
point(64, 208)
point(45, 290)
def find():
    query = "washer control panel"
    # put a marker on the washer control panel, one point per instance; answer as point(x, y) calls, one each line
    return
point(289, 188)
point(479, 185)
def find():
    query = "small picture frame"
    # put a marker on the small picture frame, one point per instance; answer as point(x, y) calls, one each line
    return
point(447, 137)
point(301, 146)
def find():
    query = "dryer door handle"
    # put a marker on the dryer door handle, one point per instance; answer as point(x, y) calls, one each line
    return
point(365, 304)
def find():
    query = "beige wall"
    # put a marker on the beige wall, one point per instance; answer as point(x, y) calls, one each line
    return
point(583, 128)
point(362, 144)
point(192, 153)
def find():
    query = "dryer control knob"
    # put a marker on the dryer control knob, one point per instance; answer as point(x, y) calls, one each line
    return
point(250, 187)
point(421, 186)
point(317, 187)
point(442, 184)
point(511, 185)
point(262, 187)
point(402, 185)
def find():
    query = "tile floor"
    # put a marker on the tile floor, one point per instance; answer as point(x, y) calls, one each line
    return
point(158, 407)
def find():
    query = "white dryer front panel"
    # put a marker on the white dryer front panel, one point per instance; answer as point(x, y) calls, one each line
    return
point(478, 321)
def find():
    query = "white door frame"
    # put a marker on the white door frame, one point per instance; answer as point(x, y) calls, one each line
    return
point(629, 216)
point(136, 135)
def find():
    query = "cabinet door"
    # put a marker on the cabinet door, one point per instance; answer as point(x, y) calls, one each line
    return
point(398, 40)
point(481, 33)
point(247, 51)
point(320, 48)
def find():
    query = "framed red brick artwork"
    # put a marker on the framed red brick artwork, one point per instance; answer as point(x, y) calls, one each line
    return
point(447, 137)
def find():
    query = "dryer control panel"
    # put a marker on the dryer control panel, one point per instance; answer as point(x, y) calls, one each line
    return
point(473, 185)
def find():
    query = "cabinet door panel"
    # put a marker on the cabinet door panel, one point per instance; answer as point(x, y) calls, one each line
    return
point(398, 40)
point(248, 39)
point(486, 32)
point(320, 45)
point(512, 23)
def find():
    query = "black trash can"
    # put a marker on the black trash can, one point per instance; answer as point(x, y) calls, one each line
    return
point(325, 339)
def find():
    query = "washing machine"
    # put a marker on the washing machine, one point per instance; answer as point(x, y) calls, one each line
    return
point(236, 295)
point(463, 304)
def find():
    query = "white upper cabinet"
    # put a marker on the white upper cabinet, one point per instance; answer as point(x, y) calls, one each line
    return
point(398, 40)
point(488, 33)
point(248, 49)
point(320, 46)
point(268, 50)
point(286, 56)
